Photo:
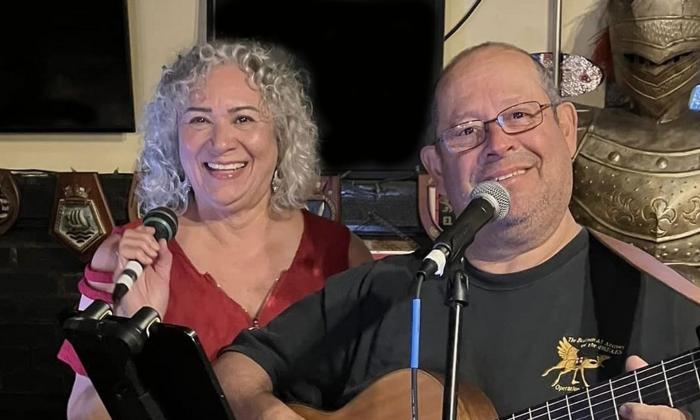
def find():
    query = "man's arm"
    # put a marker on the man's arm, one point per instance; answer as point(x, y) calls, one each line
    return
point(308, 352)
point(248, 389)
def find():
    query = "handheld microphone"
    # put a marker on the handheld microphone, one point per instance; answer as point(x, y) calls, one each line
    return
point(489, 201)
point(164, 221)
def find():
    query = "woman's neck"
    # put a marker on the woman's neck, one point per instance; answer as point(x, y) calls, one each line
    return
point(228, 228)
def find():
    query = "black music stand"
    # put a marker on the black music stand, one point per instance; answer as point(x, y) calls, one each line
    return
point(145, 369)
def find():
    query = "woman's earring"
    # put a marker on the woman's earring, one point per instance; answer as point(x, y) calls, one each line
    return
point(186, 186)
point(276, 181)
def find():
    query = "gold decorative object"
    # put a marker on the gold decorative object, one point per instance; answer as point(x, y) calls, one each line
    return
point(9, 201)
point(434, 209)
point(325, 201)
point(578, 74)
point(81, 218)
point(637, 169)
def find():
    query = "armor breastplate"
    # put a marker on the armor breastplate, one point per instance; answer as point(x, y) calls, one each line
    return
point(640, 182)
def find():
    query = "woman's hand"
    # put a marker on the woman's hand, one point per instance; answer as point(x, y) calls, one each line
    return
point(152, 288)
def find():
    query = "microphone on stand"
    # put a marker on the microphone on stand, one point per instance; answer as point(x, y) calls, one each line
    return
point(489, 201)
point(164, 221)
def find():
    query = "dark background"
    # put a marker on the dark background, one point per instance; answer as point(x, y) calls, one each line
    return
point(372, 66)
point(65, 67)
point(38, 279)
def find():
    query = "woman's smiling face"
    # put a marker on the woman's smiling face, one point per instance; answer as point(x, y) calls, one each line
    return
point(227, 142)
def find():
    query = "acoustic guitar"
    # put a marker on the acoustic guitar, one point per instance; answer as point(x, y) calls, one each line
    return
point(674, 382)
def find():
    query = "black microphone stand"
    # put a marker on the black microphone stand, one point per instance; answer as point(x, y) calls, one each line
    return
point(106, 345)
point(456, 298)
point(144, 369)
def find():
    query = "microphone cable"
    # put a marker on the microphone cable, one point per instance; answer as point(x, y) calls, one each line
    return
point(461, 21)
point(415, 344)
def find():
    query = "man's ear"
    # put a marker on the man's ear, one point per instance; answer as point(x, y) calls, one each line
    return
point(568, 122)
point(432, 161)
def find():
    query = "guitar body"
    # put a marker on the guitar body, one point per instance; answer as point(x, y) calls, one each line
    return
point(674, 382)
point(390, 398)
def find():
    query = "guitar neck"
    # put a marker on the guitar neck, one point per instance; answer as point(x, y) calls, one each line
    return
point(674, 382)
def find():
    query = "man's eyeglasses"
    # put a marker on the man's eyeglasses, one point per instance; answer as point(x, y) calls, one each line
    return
point(512, 120)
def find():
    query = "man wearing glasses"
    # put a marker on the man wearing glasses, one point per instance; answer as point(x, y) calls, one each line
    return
point(552, 311)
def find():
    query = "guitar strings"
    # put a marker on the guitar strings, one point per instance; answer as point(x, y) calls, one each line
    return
point(606, 384)
point(590, 407)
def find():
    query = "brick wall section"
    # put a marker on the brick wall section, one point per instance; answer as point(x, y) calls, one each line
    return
point(38, 281)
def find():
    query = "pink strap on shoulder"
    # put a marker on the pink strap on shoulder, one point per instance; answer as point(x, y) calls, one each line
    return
point(650, 265)
point(67, 355)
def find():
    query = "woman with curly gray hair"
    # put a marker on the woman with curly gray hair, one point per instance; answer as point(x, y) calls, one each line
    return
point(230, 145)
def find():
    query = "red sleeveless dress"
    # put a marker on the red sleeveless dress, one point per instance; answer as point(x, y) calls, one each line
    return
point(198, 303)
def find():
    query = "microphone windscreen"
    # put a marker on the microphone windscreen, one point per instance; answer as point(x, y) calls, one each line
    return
point(496, 194)
point(163, 220)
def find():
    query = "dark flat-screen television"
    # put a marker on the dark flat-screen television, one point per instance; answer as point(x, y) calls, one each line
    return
point(372, 67)
point(65, 67)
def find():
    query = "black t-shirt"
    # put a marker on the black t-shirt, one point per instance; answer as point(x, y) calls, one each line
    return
point(517, 328)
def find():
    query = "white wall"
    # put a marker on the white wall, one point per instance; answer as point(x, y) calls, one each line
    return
point(159, 29)
point(529, 24)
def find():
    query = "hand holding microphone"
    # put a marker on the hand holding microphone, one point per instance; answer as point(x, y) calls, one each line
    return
point(144, 250)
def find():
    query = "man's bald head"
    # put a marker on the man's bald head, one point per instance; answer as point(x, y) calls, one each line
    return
point(474, 53)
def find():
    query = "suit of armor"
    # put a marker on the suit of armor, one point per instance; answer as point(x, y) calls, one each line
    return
point(637, 169)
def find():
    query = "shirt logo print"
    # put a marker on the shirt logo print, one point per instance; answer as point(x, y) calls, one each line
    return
point(572, 361)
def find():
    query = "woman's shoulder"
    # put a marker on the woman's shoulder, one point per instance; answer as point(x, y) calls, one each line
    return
point(334, 241)
point(322, 224)
point(323, 232)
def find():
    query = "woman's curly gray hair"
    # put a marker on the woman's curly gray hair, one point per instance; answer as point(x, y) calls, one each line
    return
point(270, 70)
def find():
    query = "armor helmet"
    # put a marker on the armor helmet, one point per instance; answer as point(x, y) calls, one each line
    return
point(656, 53)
